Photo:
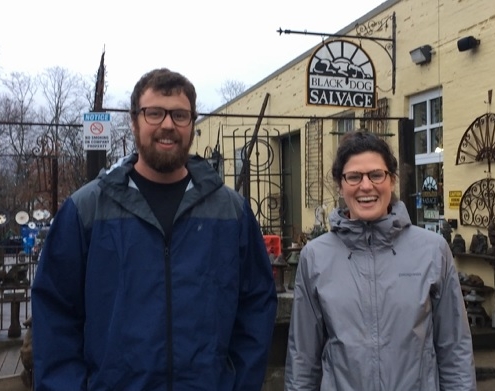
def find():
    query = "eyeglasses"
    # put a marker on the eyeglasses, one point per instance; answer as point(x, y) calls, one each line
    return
point(156, 115)
point(354, 178)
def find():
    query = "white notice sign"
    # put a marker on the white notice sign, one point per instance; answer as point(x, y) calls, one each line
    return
point(97, 135)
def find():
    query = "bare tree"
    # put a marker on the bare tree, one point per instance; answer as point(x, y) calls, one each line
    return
point(63, 93)
point(122, 142)
point(17, 139)
point(18, 107)
point(231, 89)
point(43, 163)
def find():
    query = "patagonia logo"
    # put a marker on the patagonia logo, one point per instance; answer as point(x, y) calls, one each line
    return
point(410, 274)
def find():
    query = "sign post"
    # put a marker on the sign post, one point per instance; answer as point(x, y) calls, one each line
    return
point(96, 159)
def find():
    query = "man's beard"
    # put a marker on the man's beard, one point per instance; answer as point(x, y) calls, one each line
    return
point(164, 161)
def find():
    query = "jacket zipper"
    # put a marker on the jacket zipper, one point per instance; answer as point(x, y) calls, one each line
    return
point(375, 308)
point(168, 292)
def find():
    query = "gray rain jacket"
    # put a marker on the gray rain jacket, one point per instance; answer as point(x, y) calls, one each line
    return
point(378, 307)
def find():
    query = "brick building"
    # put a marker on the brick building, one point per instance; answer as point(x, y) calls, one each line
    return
point(420, 73)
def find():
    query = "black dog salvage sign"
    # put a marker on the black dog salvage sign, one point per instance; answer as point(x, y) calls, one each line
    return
point(341, 74)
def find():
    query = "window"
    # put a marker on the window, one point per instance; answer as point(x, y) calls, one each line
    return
point(345, 124)
point(426, 112)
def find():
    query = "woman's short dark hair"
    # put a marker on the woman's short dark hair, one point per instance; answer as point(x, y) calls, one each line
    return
point(356, 142)
point(166, 82)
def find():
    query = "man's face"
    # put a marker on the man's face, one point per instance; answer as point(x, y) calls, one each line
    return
point(164, 145)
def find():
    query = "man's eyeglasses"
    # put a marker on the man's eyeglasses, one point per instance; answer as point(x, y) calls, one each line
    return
point(156, 115)
point(354, 178)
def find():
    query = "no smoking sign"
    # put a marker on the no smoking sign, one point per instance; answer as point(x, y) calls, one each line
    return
point(97, 131)
point(96, 128)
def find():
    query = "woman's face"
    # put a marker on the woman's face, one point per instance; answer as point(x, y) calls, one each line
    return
point(366, 200)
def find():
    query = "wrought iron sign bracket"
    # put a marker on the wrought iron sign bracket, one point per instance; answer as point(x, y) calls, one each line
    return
point(364, 32)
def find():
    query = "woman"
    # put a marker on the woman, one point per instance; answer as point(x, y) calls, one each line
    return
point(377, 301)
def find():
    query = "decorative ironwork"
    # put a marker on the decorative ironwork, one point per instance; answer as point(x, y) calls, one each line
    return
point(44, 146)
point(375, 120)
point(259, 165)
point(314, 163)
point(271, 210)
point(263, 182)
point(364, 32)
point(44, 152)
point(478, 142)
point(477, 203)
point(373, 26)
point(478, 145)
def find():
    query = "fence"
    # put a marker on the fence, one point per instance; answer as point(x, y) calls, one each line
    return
point(17, 270)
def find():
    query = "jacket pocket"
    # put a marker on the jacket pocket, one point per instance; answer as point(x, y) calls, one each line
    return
point(429, 371)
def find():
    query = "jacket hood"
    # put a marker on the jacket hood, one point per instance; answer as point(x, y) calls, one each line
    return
point(203, 175)
point(115, 182)
point(359, 234)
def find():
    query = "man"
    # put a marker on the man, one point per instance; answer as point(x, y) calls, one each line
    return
point(155, 275)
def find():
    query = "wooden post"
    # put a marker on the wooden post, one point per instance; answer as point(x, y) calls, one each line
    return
point(97, 159)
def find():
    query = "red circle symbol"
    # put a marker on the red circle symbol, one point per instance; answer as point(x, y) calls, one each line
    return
point(96, 128)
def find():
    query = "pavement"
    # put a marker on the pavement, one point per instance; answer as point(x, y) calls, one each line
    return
point(484, 358)
point(485, 369)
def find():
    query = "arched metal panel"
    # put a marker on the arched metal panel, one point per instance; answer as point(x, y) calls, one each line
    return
point(477, 203)
point(478, 141)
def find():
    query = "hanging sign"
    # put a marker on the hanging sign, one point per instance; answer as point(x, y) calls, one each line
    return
point(341, 74)
point(97, 131)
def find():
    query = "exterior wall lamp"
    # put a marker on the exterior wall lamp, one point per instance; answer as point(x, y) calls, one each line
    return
point(467, 43)
point(421, 55)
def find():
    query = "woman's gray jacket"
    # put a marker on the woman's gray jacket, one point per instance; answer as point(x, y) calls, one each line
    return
point(378, 307)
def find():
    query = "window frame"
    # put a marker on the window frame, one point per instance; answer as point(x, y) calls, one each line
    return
point(427, 98)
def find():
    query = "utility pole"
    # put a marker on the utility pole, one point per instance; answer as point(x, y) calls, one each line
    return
point(96, 159)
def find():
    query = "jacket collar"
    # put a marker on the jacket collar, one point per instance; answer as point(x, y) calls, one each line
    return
point(202, 174)
point(358, 233)
point(115, 182)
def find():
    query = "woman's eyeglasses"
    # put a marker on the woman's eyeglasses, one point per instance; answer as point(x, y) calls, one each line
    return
point(354, 178)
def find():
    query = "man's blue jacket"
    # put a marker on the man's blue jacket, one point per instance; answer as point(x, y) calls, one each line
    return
point(117, 307)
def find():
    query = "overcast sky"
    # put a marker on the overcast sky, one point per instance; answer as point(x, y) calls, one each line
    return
point(208, 41)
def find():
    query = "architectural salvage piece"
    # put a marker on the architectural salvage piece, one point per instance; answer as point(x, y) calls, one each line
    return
point(478, 141)
point(479, 243)
point(458, 245)
point(477, 203)
point(478, 145)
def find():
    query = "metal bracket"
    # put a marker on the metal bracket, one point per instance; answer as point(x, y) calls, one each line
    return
point(363, 32)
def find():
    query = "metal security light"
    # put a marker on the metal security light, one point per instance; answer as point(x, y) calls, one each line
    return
point(467, 43)
point(421, 55)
